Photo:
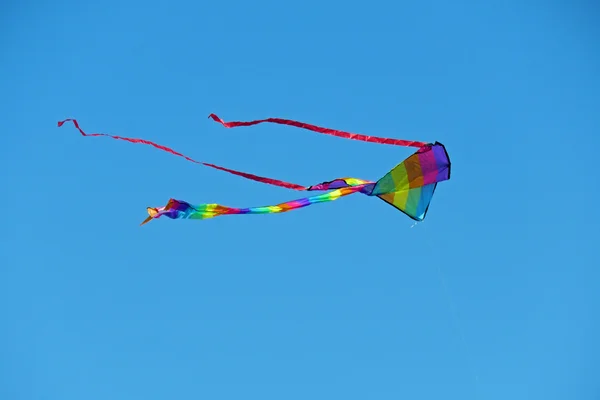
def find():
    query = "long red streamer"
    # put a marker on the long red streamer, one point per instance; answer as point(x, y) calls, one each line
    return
point(253, 177)
point(326, 131)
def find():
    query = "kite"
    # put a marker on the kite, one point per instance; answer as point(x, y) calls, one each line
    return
point(409, 186)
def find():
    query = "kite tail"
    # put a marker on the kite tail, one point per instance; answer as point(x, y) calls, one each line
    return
point(326, 131)
point(262, 179)
point(177, 209)
point(131, 140)
point(257, 178)
point(335, 184)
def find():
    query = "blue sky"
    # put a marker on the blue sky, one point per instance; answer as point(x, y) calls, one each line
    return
point(494, 296)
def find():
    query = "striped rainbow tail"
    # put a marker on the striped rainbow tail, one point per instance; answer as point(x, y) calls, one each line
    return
point(177, 209)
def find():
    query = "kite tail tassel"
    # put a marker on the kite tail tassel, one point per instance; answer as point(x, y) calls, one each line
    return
point(152, 211)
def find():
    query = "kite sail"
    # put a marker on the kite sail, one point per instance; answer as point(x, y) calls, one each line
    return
point(409, 187)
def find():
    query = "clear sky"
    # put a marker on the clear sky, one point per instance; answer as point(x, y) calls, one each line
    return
point(494, 296)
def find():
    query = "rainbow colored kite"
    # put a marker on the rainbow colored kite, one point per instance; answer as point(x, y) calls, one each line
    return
point(409, 186)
